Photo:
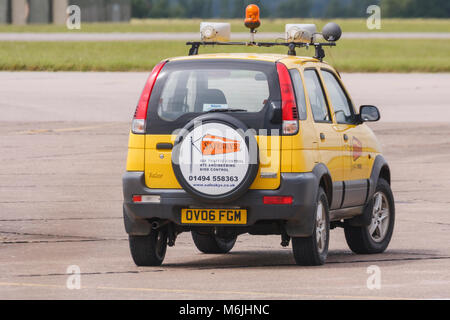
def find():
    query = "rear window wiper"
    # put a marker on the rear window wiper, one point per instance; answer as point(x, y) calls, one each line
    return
point(226, 110)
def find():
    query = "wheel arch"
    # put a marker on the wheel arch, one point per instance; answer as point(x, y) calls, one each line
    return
point(385, 173)
point(325, 181)
point(380, 169)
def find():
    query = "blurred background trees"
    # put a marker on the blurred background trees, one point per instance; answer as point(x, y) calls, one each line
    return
point(416, 8)
point(294, 8)
point(289, 8)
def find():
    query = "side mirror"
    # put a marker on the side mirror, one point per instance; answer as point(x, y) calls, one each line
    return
point(369, 114)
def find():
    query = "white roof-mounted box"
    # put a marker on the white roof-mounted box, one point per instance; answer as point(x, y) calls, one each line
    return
point(305, 33)
point(215, 31)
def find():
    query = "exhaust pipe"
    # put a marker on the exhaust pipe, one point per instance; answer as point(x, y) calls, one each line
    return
point(159, 224)
point(155, 225)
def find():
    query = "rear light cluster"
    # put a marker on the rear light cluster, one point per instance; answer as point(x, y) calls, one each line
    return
point(146, 199)
point(288, 104)
point(140, 115)
point(278, 200)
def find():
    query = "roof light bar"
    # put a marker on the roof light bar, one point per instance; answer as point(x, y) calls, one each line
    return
point(297, 35)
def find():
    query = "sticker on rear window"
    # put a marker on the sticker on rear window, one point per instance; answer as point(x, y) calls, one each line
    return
point(213, 106)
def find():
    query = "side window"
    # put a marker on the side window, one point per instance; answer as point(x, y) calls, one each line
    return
point(316, 96)
point(339, 101)
point(299, 93)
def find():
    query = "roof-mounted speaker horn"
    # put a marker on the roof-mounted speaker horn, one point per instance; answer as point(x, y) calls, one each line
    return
point(331, 32)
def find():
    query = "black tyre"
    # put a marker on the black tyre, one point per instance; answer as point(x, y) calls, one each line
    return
point(211, 244)
point(313, 250)
point(375, 237)
point(149, 250)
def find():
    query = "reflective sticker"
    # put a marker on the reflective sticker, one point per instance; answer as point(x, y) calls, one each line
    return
point(357, 148)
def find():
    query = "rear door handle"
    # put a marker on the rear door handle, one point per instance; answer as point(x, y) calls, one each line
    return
point(322, 136)
point(164, 146)
point(345, 137)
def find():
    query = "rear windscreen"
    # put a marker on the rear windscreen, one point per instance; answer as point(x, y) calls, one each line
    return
point(186, 89)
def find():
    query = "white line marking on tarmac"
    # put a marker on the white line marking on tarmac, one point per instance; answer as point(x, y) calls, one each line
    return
point(38, 131)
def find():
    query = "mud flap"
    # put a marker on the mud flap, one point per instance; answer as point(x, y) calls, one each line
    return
point(301, 228)
point(135, 226)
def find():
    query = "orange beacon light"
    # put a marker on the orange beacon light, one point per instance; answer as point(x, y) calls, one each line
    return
point(252, 17)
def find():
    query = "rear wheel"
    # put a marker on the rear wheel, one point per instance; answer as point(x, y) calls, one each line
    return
point(375, 237)
point(313, 250)
point(211, 244)
point(149, 250)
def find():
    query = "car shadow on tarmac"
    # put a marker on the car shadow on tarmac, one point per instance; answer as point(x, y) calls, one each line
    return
point(284, 258)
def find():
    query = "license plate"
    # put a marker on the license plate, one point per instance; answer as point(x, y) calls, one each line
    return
point(213, 216)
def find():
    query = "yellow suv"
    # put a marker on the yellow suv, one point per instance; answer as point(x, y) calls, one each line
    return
point(227, 144)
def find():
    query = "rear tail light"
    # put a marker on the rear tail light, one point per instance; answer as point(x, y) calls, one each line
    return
point(278, 200)
point(146, 199)
point(140, 115)
point(288, 104)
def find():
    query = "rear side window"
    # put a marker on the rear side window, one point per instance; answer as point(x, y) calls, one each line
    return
point(186, 89)
point(316, 96)
point(339, 100)
point(299, 93)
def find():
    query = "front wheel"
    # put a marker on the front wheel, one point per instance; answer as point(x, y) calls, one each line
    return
point(212, 244)
point(149, 250)
point(313, 250)
point(375, 237)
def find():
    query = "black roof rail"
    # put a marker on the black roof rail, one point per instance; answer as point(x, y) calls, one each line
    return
point(319, 53)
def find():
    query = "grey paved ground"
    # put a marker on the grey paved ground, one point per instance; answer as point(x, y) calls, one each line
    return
point(63, 139)
point(116, 36)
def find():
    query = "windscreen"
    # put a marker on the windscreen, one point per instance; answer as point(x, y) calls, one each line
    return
point(187, 89)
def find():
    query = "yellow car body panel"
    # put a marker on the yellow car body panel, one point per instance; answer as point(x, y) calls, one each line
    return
point(158, 163)
point(359, 136)
point(357, 168)
point(136, 149)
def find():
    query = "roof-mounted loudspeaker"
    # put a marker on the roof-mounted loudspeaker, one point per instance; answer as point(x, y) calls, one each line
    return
point(331, 32)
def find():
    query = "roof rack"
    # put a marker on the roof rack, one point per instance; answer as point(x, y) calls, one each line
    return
point(319, 53)
point(297, 35)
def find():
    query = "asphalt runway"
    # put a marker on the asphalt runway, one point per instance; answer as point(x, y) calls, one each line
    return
point(63, 143)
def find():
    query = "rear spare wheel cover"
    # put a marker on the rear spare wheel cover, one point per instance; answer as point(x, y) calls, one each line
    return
point(213, 160)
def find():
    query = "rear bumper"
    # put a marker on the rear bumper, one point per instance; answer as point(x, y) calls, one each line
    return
point(299, 216)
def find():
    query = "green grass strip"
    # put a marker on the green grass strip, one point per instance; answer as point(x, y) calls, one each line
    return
point(237, 25)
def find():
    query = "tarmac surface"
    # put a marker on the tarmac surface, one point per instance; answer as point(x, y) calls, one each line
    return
point(63, 144)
